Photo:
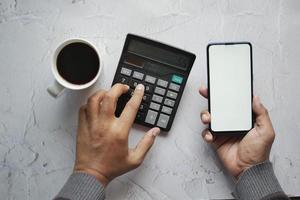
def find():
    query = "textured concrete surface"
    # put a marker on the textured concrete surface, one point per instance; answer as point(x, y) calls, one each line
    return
point(37, 132)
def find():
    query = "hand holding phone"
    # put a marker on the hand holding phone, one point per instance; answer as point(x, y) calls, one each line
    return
point(239, 153)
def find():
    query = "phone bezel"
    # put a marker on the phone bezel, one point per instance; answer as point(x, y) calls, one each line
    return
point(235, 132)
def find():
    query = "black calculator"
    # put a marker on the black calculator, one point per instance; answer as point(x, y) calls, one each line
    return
point(162, 69)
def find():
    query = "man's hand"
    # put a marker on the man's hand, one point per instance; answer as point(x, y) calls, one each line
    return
point(239, 153)
point(102, 139)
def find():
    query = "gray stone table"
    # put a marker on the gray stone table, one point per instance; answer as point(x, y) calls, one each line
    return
point(37, 132)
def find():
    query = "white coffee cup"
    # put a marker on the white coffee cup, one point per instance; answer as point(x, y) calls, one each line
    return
point(60, 82)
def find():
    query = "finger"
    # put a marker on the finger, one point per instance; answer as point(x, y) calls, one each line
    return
point(129, 112)
point(261, 113)
point(110, 98)
point(207, 136)
point(215, 141)
point(219, 141)
point(263, 122)
point(143, 146)
point(93, 104)
point(205, 117)
point(203, 91)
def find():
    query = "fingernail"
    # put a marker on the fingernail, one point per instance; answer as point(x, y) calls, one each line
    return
point(257, 100)
point(208, 136)
point(140, 87)
point(205, 117)
point(155, 132)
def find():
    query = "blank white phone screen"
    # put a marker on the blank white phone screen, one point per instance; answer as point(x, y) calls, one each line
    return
point(230, 87)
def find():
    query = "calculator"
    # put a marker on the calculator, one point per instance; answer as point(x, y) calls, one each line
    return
point(162, 69)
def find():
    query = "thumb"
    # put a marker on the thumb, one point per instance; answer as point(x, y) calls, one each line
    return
point(261, 113)
point(263, 121)
point(145, 144)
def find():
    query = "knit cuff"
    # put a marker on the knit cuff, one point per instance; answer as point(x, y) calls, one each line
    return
point(258, 182)
point(81, 186)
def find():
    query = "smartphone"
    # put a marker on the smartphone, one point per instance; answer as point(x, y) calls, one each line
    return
point(230, 87)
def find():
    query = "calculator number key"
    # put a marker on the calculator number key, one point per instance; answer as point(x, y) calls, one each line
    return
point(148, 88)
point(140, 116)
point(134, 83)
point(123, 80)
point(151, 117)
point(143, 107)
point(166, 110)
point(146, 98)
point(154, 106)
point(157, 98)
point(150, 79)
point(162, 83)
point(160, 91)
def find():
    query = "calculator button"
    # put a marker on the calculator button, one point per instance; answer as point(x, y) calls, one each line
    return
point(126, 71)
point(169, 102)
point(174, 87)
point(166, 110)
point(143, 108)
point(157, 98)
point(160, 91)
point(140, 116)
point(162, 83)
point(146, 98)
point(148, 88)
point(172, 95)
point(151, 117)
point(163, 120)
point(150, 79)
point(177, 79)
point(123, 80)
point(154, 106)
point(138, 75)
point(134, 83)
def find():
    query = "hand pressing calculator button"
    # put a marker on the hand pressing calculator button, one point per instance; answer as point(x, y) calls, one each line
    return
point(162, 69)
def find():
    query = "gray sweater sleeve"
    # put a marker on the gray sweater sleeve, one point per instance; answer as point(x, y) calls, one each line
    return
point(259, 183)
point(81, 186)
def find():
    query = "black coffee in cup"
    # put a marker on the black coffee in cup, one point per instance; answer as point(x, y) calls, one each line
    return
point(78, 63)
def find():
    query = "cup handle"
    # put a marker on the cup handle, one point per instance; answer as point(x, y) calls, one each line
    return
point(56, 89)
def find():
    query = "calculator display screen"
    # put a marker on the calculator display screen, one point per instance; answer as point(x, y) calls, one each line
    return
point(158, 54)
